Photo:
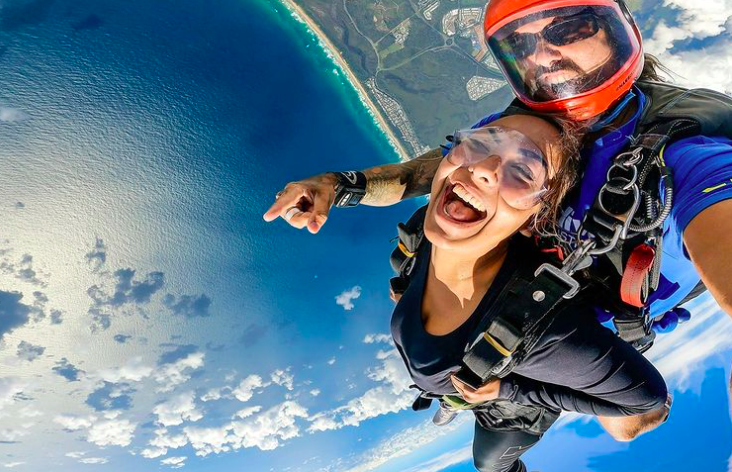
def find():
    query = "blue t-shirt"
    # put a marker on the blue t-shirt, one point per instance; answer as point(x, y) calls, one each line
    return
point(702, 174)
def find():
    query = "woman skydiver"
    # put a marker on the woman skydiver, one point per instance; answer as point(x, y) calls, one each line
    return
point(496, 184)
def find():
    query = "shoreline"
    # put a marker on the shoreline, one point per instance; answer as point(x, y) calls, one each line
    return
point(334, 53)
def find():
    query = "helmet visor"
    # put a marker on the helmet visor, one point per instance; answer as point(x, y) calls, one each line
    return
point(563, 52)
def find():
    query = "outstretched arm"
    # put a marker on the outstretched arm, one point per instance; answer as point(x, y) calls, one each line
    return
point(386, 185)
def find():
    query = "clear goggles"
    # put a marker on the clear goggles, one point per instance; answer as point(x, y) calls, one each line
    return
point(563, 52)
point(508, 160)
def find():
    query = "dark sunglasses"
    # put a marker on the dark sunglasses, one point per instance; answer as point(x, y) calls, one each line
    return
point(560, 32)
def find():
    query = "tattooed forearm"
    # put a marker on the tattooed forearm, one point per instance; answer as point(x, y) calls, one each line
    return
point(389, 184)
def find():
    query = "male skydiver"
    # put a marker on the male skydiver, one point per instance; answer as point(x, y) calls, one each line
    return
point(582, 60)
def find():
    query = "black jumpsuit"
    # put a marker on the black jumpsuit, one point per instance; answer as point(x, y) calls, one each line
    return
point(578, 365)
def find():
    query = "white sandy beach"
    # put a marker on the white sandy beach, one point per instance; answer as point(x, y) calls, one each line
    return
point(335, 54)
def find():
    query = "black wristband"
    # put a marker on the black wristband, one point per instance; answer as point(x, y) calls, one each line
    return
point(350, 189)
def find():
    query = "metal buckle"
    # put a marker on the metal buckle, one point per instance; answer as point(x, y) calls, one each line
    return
point(567, 279)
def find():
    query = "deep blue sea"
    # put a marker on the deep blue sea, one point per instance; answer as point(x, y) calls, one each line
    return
point(162, 130)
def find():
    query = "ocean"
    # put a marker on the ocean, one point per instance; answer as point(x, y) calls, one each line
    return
point(141, 143)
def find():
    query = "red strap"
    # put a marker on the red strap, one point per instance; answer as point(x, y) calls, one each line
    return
point(636, 271)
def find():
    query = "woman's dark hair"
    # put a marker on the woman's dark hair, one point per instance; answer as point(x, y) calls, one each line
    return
point(545, 220)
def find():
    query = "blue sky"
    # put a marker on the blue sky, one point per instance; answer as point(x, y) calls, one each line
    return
point(155, 330)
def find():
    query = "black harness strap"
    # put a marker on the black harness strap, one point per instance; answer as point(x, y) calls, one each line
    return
point(521, 309)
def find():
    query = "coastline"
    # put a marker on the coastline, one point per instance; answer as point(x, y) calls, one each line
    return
point(334, 53)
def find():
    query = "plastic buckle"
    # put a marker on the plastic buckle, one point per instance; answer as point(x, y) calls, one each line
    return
point(565, 278)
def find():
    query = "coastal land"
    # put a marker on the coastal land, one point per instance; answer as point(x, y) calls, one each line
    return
point(420, 67)
point(335, 54)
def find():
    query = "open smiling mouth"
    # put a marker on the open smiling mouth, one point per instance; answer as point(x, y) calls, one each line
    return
point(459, 206)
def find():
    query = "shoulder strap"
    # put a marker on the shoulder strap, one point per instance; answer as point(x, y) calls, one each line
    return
point(404, 257)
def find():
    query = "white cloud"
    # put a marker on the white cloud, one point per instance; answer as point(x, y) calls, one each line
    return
point(134, 371)
point(408, 441)
point(9, 388)
point(174, 462)
point(75, 423)
point(283, 378)
point(209, 440)
point(76, 455)
point(315, 392)
point(391, 396)
point(213, 394)
point(94, 460)
point(245, 391)
point(683, 352)
point(12, 115)
point(378, 338)
point(162, 442)
point(178, 409)
point(10, 465)
point(12, 434)
point(709, 66)
point(444, 461)
point(178, 372)
point(331, 361)
point(112, 433)
point(265, 431)
point(346, 298)
point(247, 412)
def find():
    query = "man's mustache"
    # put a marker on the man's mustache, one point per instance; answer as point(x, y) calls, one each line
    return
point(558, 66)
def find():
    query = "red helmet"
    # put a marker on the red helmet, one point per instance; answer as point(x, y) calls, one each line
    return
point(572, 57)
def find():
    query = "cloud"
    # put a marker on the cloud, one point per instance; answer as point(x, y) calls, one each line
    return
point(111, 432)
point(75, 423)
point(94, 460)
point(346, 298)
point(174, 462)
point(12, 115)
point(56, 317)
point(178, 409)
point(265, 431)
point(134, 371)
point(67, 370)
point(252, 334)
point(247, 412)
point(111, 397)
point(162, 442)
point(315, 392)
point(709, 60)
point(98, 255)
point(283, 378)
point(170, 375)
point(680, 354)
point(30, 352)
point(188, 306)
point(13, 314)
point(408, 441)
point(245, 391)
point(213, 394)
point(378, 338)
point(122, 338)
point(127, 292)
point(391, 396)
point(268, 429)
point(445, 461)
point(10, 465)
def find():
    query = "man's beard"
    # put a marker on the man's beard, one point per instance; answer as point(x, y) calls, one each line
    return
point(543, 90)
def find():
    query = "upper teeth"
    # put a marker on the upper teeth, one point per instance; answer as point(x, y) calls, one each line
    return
point(465, 196)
